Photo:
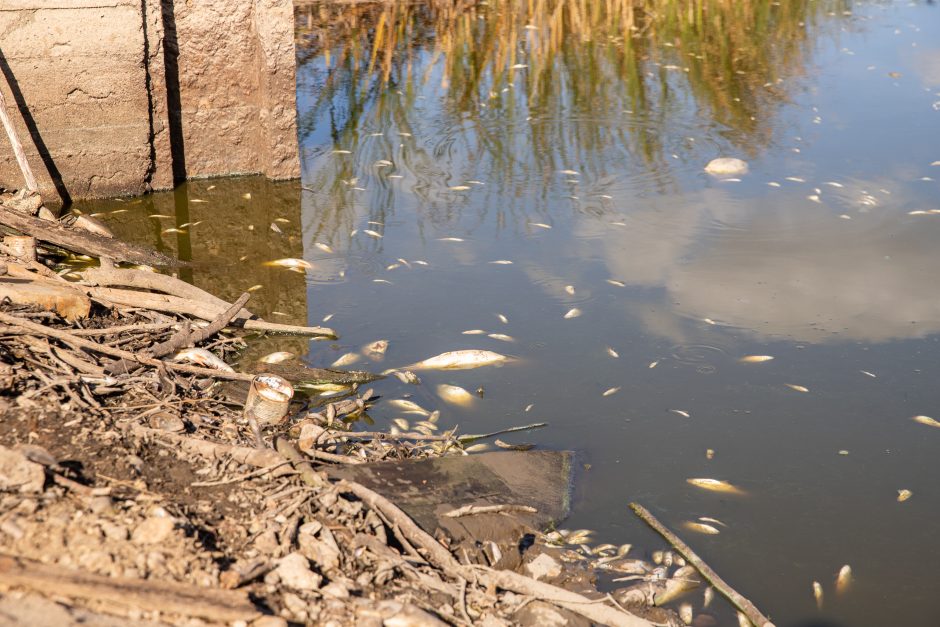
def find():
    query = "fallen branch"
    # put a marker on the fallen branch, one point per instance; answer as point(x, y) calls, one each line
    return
point(17, 147)
point(747, 608)
point(129, 594)
point(482, 436)
point(470, 510)
point(257, 457)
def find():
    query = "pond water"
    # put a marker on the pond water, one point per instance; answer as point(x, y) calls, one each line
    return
point(570, 139)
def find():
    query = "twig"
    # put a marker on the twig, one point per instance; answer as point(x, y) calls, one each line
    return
point(17, 147)
point(68, 338)
point(747, 608)
point(481, 436)
point(470, 510)
point(250, 475)
point(290, 452)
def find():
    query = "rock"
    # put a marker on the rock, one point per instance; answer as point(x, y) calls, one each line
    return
point(294, 571)
point(726, 166)
point(269, 621)
point(325, 556)
point(704, 620)
point(166, 421)
point(113, 531)
point(542, 614)
point(154, 530)
point(18, 473)
point(411, 616)
point(335, 590)
point(543, 567)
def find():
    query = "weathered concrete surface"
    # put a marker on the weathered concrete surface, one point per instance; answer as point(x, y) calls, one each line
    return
point(113, 96)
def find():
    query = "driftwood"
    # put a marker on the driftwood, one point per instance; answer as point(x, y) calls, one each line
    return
point(17, 147)
point(74, 340)
point(82, 241)
point(472, 510)
point(131, 594)
point(51, 296)
point(747, 608)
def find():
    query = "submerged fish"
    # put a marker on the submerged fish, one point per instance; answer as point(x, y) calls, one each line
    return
point(698, 527)
point(502, 337)
point(202, 357)
point(409, 407)
point(755, 359)
point(573, 313)
point(818, 594)
point(844, 579)
point(345, 360)
point(715, 485)
point(472, 358)
point(276, 358)
point(455, 394)
point(612, 352)
point(372, 233)
point(903, 495)
point(289, 262)
point(324, 247)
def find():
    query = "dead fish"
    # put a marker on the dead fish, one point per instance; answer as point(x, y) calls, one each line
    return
point(254, 288)
point(569, 172)
point(392, 266)
point(726, 166)
point(795, 179)
point(681, 412)
point(409, 407)
point(455, 394)
point(685, 613)
point(755, 359)
point(611, 391)
point(529, 407)
point(569, 289)
point(345, 360)
point(502, 337)
point(616, 283)
point(172, 230)
point(247, 195)
point(372, 233)
point(844, 579)
point(698, 527)
point(572, 313)
point(818, 594)
point(159, 216)
point(450, 239)
point(406, 376)
point(459, 188)
point(473, 332)
point(712, 520)
point(289, 263)
point(501, 262)
point(328, 317)
point(798, 388)
point(477, 448)
point(402, 424)
point(276, 358)
point(341, 152)
point(463, 359)
point(541, 225)
point(627, 566)
point(708, 596)
point(503, 318)
point(903, 495)
point(612, 353)
point(324, 247)
point(382, 281)
point(715, 485)
point(93, 226)
point(869, 374)
point(653, 364)
point(202, 357)
point(276, 228)
point(926, 420)
point(710, 453)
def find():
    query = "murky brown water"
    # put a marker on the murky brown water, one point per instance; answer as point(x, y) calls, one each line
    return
point(572, 143)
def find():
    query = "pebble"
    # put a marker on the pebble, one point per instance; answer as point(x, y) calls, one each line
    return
point(294, 571)
point(18, 473)
point(154, 530)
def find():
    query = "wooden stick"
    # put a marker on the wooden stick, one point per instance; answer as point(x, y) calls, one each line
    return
point(17, 147)
point(747, 608)
point(68, 338)
point(480, 436)
point(257, 457)
point(471, 510)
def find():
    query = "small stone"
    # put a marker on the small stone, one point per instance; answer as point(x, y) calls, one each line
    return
point(411, 616)
point(154, 530)
point(319, 552)
point(294, 571)
point(113, 531)
point(269, 621)
point(335, 590)
point(543, 567)
point(166, 421)
point(18, 473)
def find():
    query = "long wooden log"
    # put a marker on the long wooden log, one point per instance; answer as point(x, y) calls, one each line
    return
point(82, 241)
point(17, 146)
point(742, 603)
point(129, 594)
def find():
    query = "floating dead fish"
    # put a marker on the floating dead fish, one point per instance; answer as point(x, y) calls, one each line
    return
point(798, 388)
point(402, 424)
point(171, 230)
point(726, 166)
point(681, 412)
point(372, 233)
point(755, 359)
point(502, 337)
point(247, 195)
point(612, 353)
point(382, 163)
point(715, 485)
point(202, 357)
point(773, 184)
point(405, 376)
point(463, 359)
point(708, 519)
point(477, 448)
point(254, 288)
point(818, 594)
point(375, 350)
point(503, 318)
point(903, 495)
point(616, 283)
point(290, 263)
point(473, 332)
point(653, 364)
point(710, 453)
point(569, 172)
point(392, 266)
point(459, 188)
point(324, 247)
point(869, 374)
point(685, 613)
point(382, 281)
point(277, 358)
point(409, 407)
point(708, 596)
point(450, 239)
point(611, 391)
point(572, 313)
point(926, 420)
point(455, 394)
point(501, 262)
point(328, 317)
point(276, 228)
point(698, 527)
point(341, 152)
point(541, 225)
point(92, 225)
point(569, 289)
point(345, 360)
point(844, 579)
point(529, 407)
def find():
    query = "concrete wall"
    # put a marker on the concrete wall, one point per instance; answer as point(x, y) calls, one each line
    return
point(118, 97)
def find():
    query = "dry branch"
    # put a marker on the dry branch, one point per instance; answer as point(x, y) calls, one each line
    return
point(749, 609)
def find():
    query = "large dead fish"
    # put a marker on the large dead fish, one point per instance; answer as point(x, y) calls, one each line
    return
point(465, 359)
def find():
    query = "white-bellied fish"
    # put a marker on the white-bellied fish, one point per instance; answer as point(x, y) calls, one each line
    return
point(202, 357)
point(573, 313)
point(715, 485)
point(926, 420)
point(455, 394)
point(903, 495)
point(289, 263)
point(345, 360)
point(844, 579)
point(797, 388)
point(409, 407)
point(462, 359)
point(818, 594)
point(277, 358)
point(755, 359)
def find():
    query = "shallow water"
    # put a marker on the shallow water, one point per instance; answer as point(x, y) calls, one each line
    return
point(603, 137)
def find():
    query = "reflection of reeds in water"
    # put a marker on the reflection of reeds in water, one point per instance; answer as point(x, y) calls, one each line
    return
point(591, 80)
